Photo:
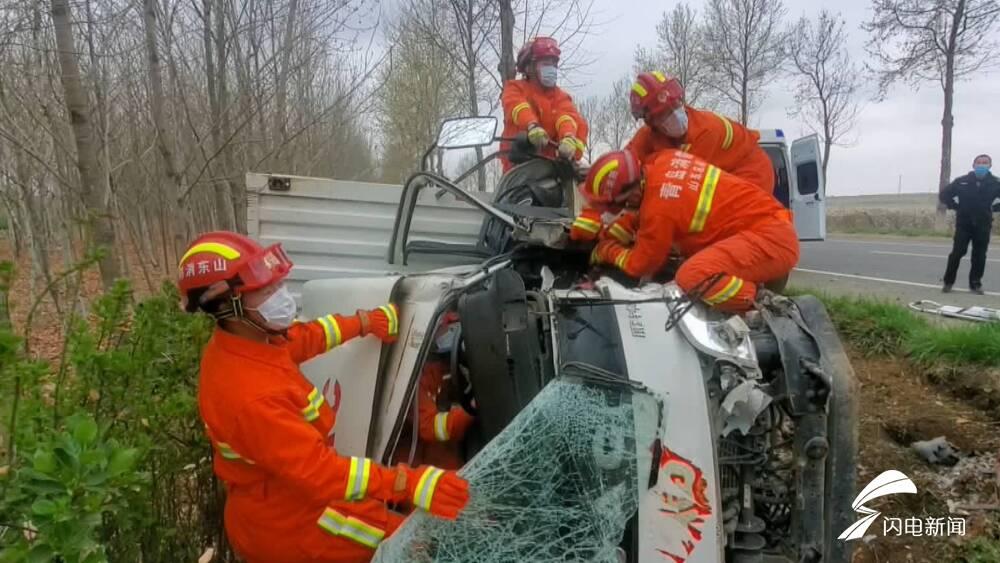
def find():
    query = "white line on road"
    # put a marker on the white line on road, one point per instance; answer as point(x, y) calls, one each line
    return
point(881, 280)
point(887, 243)
point(920, 255)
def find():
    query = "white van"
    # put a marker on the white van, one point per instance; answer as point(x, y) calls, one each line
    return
point(804, 191)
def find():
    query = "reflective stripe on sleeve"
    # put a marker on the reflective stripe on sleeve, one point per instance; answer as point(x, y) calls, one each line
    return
point(311, 411)
point(357, 478)
point(424, 492)
point(620, 234)
point(331, 329)
point(337, 524)
point(705, 199)
point(728, 141)
point(564, 119)
point(441, 427)
point(227, 453)
point(587, 224)
point(622, 259)
point(518, 109)
point(393, 317)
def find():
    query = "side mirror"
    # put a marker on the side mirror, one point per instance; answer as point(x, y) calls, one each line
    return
point(465, 132)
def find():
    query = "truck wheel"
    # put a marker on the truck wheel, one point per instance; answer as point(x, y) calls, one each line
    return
point(842, 430)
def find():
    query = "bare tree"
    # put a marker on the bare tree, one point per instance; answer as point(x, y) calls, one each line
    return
point(612, 124)
point(933, 40)
point(747, 49)
point(680, 51)
point(92, 175)
point(590, 108)
point(506, 67)
point(827, 80)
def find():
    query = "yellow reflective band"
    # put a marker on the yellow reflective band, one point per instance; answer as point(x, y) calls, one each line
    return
point(639, 89)
point(227, 252)
point(564, 119)
point(424, 492)
point(728, 292)
point(518, 109)
point(601, 174)
point(686, 147)
point(659, 75)
point(392, 317)
point(441, 427)
point(580, 145)
point(357, 480)
point(327, 331)
point(587, 224)
point(311, 411)
point(705, 199)
point(622, 260)
point(728, 141)
point(349, 527)
point(620, 233)
point(227, 453)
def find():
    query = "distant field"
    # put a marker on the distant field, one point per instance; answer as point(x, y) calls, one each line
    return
point(905, 214)
point(888, 202)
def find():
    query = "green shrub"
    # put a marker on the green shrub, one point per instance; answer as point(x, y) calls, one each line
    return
point(131, 369)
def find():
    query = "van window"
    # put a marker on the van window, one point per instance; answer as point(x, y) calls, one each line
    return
point(782, 190)
point(807, 175)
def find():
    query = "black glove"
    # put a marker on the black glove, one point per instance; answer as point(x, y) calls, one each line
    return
point(996, 208)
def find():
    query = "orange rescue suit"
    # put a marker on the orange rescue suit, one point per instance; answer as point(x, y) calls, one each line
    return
point(290, 498)
point(441, 431)
point(525, 102)
point(724, 225)
point(717, 140)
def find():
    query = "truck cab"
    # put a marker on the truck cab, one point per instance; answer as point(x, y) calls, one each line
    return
point(799, 183)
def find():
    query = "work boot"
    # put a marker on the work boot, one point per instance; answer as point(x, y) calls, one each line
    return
point(978, 290)
point(946, 288)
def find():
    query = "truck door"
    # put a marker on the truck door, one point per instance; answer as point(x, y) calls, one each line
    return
point(809, 194)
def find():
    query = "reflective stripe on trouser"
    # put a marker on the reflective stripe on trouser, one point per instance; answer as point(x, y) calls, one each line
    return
point(357, 478)
point(423, 494)
point(767, 251)
point(311, 411)
point(339, 524)
point(332, 331)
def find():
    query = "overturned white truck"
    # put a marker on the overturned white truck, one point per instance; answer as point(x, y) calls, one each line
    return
point(615, 421)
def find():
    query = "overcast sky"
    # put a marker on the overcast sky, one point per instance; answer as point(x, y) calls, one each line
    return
point(899, 136)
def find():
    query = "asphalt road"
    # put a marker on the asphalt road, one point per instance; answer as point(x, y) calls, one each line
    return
point(894, 268)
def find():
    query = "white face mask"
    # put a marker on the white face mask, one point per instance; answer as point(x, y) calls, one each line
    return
point(278, 310)
point(548, 75)
point(673, 125)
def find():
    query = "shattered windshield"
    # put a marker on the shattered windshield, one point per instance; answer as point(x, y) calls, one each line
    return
point(560, 483)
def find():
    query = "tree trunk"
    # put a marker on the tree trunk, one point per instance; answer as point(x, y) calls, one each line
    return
point(156, 99)
point(507, 67)
point(473, 93)
point(948, 118)
point(233, 213)
point(281, 95)
point(100, 230)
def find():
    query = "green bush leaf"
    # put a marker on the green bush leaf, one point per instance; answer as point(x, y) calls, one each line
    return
point(43, 507)
point(41, 553)
point(122, 460)
point(85, 431)
point(44, 462)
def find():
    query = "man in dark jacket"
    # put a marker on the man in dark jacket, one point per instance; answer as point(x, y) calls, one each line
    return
point(973, 197)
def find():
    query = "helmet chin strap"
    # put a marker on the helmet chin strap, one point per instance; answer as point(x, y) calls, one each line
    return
point(238, 312)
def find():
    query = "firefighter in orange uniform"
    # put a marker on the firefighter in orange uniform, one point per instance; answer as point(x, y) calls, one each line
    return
point(290, 497)
point(658, 99)
point(537, 106)
point(671, 124)
point(443, 423)
point(735, 237)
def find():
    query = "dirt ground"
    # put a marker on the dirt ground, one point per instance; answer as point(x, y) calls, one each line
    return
point(899, 406)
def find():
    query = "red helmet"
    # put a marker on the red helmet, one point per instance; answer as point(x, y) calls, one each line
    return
point(219, 262)
point(609, 177)
point(537, 48)
point(655, 93)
